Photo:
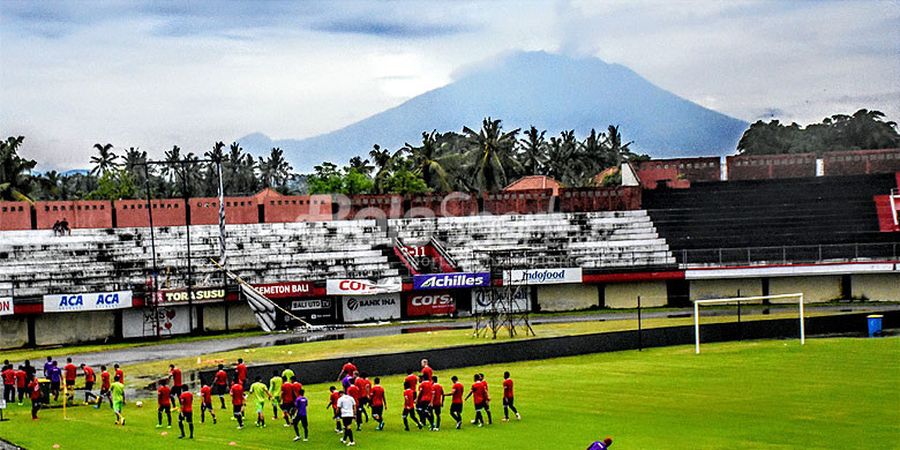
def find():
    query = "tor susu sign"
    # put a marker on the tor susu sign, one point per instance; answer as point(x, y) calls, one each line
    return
point(197, 295)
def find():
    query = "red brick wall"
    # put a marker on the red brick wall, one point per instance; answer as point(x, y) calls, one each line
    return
point(691, 169)
point(298, 208)
point(79, 214)
point(369, 207)
point(862, 162)
point(600, 199)
point(15, 216)
point(454, 204)
point(238, 210)
point(529, 201)
point(765, 167)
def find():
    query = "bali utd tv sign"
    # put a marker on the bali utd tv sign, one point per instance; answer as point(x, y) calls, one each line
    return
point(87, 302)
point(6, 306)
point(433, 303)
point(542, 276)
point(454, 280)
point(364, 287)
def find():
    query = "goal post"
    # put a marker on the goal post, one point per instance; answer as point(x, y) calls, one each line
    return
point(698, 303)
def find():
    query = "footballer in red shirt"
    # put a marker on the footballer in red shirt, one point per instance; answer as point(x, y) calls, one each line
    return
point(241, 372)
point(509, 398)
point(437, 402)
point(479, 396)
point(175, 376)
point(364, 387)
point(71, 373)
point(412, 379)
point(409, 406)
point(35, 389)
point(348, 369)
point(426, 370)
point(21, 376)
point(487, 398)
point(119, 373)
point(89, 379)
point(379, 403)
point(104, 387)
point(332, 403)
point(237, 403)
point(456, 401)
point(186, 400)
point(423, 402)
point(220, 384)
point(354, 392)
point(206, 404)
point(164, 401)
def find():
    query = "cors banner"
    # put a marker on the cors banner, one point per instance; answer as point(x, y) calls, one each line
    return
point(388, 285)
point(97, 301)
point(430, 304)
point(371, 307)
point(451, 280)
point(542, 276)
point(521, 301)
point(6, 306)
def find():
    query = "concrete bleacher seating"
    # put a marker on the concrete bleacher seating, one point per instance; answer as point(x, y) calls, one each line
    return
point(93, 260)
point(772, 221)
point(598, 240)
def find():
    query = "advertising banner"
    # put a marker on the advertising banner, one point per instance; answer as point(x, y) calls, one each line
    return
point(521, 301)
point(542, 276)
point(364, 287)
point(198, 295)
point(371, 307)
point(293, 289)
point(433, 303)
point(313, 310)
point(96, 301)
point(161, 321)
point(6, 306)
point(451, 280)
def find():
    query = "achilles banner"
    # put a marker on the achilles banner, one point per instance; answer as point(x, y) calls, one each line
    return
point(451, 280)
point(542, 276)
point(6, 306)
point(96, 301)
point(433, 303)
point(364, 287)
point(371, 307)
point(520, 302)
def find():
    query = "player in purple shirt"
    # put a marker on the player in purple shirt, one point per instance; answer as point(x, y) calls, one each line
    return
point(47, 366)
point(55, 375)
point(601, 445)
point(300, 416)
point(347, 381)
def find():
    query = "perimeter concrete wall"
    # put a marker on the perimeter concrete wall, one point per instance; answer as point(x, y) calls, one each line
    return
point(744, 287)
point(878, 287)
point(624, 295)
point(815, 289)
point(240, 317)
point(13, 332)
point(71, 328)
point(568, 297)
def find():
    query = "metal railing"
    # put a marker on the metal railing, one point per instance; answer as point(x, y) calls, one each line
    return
point(791, 254)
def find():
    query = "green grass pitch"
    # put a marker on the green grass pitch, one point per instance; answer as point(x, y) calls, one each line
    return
point(832, 393)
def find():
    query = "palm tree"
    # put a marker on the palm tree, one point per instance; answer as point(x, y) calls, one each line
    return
point(620, 151)
point(563, 158)
point(105, 160)
point(491, 155)
point(49, 185)
point(275, 171)
point(427, 162)
point(361, 165)
point(15, 172)
point(533, 153)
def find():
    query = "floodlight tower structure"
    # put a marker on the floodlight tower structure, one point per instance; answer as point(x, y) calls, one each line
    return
point(503, 305)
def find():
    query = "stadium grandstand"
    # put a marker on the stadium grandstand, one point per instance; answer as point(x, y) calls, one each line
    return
point(678, 230)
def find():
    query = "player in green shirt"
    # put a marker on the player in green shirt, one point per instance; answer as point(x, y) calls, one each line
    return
point(118, 400)
point(275, 390)
point(287, 373)
point(259, 393)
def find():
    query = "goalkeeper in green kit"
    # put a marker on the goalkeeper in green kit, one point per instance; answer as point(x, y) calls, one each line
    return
point(259, 393)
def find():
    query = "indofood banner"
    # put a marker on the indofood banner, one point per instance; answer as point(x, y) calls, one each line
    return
point(289, 290)
point(521, 300)
point(364, 287)
point(6, 306)
point(433, 303)
point(198, 295)
point(96, 301)
point(371, 307)
point(313, 310)
point(451, 280)
point(161, 321)
point(542, 276)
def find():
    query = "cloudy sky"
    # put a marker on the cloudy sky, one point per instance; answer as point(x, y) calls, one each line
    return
point(153, 74)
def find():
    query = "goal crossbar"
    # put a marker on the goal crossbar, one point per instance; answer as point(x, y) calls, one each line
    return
point(697, 303)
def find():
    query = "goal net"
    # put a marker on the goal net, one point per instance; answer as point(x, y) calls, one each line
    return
point(736, 300)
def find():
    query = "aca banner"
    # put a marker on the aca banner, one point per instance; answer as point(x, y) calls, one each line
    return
point(315, 310)
point(371, 307)
point(451, 280)
point(542, 276)
point(97, 301)
point(521, 300)
point(293, 289)
point(388, 285)
point(433, 303)
point(6, 306)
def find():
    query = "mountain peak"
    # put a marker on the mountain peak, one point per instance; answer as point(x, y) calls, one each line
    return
point(547, 90)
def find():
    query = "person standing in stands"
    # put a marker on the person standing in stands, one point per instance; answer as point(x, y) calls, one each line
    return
point(220, 384)
point(437, 402)
point(508, 398)
point(89, 379)
point(55, 376)
point(164, 404)
point(105, 387)
point(34, 388)
point(71, 373)
point(118, 400)
point(177, 382)
point(240, 372)
point(206, 404)
point(379, 404)
point(299, 409)
point(347, 407)
point(456, 401)
point(237, 403)
point(275, 389)
point(186, 414)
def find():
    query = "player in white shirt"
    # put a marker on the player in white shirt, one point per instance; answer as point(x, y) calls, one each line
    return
point(347, 407)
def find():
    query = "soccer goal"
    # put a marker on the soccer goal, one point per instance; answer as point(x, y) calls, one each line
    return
point(720, 301)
